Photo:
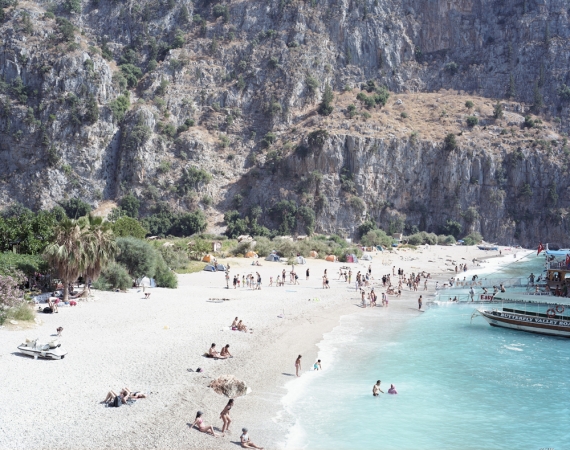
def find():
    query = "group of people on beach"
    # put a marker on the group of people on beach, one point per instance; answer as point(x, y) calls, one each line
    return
point(248, 281)
point(245, 440)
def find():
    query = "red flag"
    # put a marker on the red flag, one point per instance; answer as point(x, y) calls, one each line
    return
point(540, 248)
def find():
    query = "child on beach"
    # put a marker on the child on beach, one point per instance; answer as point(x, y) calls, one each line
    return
point(317, 365)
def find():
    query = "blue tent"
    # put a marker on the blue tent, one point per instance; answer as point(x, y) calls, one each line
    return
point(273, 257)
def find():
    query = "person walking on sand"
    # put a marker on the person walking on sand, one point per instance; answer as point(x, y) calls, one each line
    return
point(225, 416)
point(307, 274)
point(376, 389)
point(246, 442)
point(420, 302)
point(202, 426)
point(425, 285)
point(298, 365)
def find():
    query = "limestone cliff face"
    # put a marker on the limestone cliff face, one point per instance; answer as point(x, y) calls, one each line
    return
point(214, 78)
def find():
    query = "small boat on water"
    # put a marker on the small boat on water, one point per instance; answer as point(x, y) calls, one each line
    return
point(557, 252)
point(50, 350)
point(552, 323)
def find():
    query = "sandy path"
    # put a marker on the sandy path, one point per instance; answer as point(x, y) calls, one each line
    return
point(120, 339)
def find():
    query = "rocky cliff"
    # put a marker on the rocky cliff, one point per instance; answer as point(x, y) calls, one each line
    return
point(102, 98)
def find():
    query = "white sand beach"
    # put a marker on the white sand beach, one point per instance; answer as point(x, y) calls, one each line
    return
point(120, 339)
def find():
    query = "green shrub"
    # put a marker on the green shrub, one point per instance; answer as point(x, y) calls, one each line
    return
point(114, 276)
point(119, 106)
point(137, 256)
point(450, 143)
point(469, 104)
point(75, 208)
point(472, 121)
point(263, 246)
point(132, 74)
point(127, 226)
point(357, 203)
point(472, 238)
point(72, 6)
point(163, 276)
point(312, 84)
point(23, 312)
point(66, 29)
point(451, 67)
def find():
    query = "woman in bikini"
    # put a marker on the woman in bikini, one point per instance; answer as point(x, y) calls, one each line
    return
point(202, 426)
point(225, 416)
point(298, 365)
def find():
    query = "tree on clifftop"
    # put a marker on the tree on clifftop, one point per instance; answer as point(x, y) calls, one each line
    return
point(325, 108)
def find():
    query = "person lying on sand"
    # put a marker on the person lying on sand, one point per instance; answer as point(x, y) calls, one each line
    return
point(202, 426)
point(214, 353)
point(246, 442)
point(136, 394)
point(225, 353)
point(125, 395)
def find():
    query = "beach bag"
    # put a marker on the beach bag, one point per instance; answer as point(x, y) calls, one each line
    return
point(116, 401)
point(47, 310)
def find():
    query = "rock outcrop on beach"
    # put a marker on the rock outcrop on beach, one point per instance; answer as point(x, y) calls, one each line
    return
point(229, 386)
point(103, 98)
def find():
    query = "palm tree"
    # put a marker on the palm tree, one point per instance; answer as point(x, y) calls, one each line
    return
point(100, 246)
point(81, 247)
point(66, 253)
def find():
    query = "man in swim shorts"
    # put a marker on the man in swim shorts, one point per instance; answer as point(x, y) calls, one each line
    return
point(376, 389)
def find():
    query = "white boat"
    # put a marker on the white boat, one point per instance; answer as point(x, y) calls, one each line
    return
point(50, 350)
point(551, 323)
point(559, 253)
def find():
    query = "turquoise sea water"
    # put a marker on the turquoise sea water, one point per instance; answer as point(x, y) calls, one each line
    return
point(461, 385)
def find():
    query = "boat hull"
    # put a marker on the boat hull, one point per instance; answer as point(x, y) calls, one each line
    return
point(538, 325)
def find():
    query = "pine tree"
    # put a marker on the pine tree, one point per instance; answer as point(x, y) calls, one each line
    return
point(325, 108)
point(498, 110)
point(511, 91)
point(537, 103)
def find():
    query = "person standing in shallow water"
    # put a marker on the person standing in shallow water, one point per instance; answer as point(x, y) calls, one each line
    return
point(420, 302)
point(298, 365)
point(376, 389)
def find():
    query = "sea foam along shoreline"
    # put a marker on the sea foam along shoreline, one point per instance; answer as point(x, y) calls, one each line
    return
point(390, 321)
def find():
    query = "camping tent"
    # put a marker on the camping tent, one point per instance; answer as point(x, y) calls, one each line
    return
point(331, 258)
point(145, 281)
point(273, 257)
point(301, 260)
point(207, 258)
point(366, 257)
point(220, 268)
point(313, 254)
point(209, 268)
point(251, 254)
point(351, 258)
